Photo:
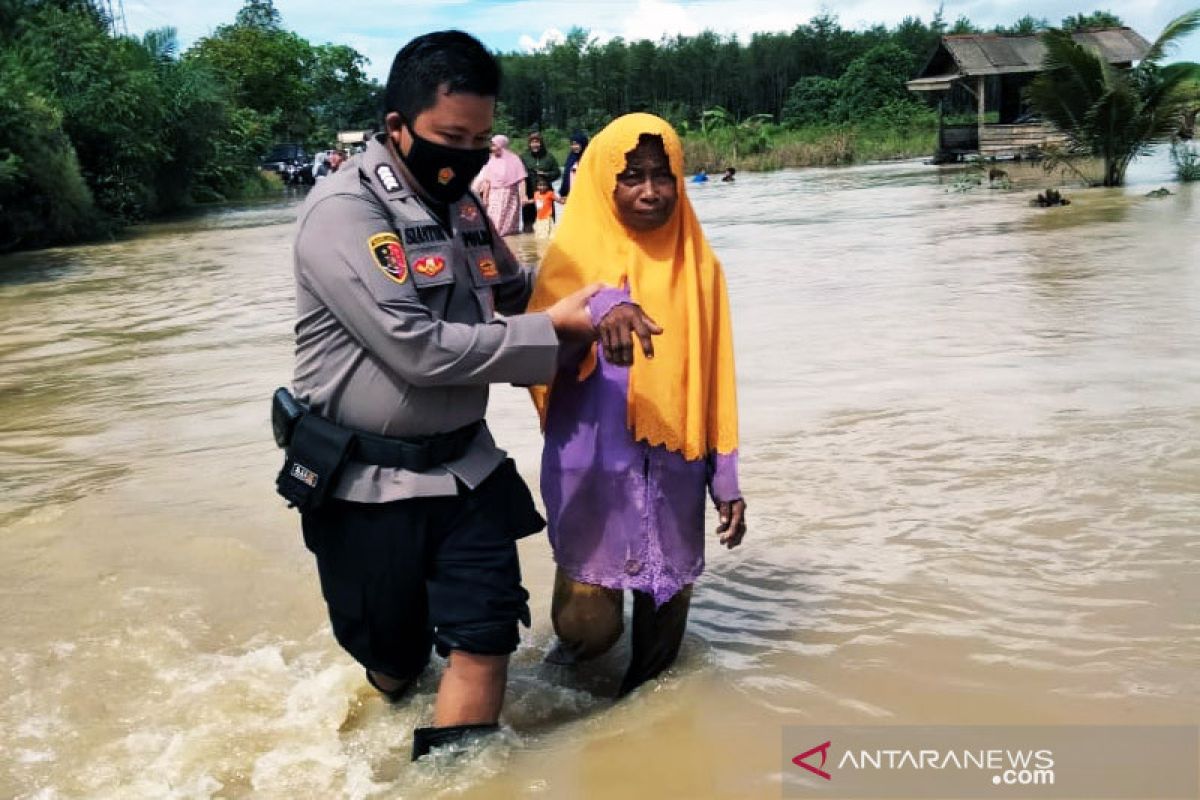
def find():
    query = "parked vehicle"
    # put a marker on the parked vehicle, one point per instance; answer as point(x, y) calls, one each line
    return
point(291, 162)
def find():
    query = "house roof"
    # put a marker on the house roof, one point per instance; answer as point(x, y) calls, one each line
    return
point(996, 54)
point(933, 83)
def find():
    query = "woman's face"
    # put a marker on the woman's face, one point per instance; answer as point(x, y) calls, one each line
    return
point(646, 193)
point(495, 148)
point(576, 148)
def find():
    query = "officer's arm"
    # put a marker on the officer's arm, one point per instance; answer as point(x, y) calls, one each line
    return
point(378, 305)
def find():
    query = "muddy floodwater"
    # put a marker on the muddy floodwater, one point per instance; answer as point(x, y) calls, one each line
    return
point(970, 451)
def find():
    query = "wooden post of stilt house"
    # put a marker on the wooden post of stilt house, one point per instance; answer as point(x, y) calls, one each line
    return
point(981, 104)
point(941, 140)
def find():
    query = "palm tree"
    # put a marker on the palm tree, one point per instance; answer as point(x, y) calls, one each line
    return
point(1108, 113)
point(749, 130)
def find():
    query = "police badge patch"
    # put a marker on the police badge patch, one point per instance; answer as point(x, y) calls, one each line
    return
point(388, 178)
point(389, 255)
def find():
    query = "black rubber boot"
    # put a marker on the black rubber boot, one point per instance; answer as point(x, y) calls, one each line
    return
point(657, 636)
point(393, 695)
point(425, 739)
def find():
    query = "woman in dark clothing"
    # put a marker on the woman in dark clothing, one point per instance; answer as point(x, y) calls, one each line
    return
point(579, 143)
point(539, 163)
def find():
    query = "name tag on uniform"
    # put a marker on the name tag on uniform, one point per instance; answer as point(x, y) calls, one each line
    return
point(423, 234)
point(477, 238)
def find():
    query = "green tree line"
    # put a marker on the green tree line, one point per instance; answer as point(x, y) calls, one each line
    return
point(99, 130)
point(818, 73)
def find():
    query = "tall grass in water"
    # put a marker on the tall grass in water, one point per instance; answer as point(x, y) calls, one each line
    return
point(814, 146)
point(1186, 157)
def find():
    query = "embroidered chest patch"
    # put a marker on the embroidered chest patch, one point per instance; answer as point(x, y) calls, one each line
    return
point(487, 268)
point(429, 265)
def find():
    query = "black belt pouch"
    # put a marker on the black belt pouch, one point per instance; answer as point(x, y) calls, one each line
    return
point(318, 451)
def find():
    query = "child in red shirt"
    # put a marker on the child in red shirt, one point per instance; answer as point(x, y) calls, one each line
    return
point(544, 199)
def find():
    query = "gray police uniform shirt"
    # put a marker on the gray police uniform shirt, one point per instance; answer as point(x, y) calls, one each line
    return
point(396, 332)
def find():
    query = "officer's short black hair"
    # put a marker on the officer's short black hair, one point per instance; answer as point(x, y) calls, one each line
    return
point(452, 59)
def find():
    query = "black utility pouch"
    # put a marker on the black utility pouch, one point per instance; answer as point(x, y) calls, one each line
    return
point(318, 451)
point(286, 411)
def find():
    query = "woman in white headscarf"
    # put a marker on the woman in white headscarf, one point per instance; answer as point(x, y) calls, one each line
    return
point(501, 186)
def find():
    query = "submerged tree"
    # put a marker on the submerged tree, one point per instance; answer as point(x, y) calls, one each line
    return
point(1113, 114)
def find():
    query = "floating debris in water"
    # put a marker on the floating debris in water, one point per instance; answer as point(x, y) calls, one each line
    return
point(1161, 191)
point(1048, 198)
point(998, 179)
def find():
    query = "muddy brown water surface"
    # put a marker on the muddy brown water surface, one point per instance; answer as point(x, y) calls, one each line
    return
point(970, 452)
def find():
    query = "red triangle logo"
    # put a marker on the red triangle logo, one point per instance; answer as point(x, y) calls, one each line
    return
point(823, 749)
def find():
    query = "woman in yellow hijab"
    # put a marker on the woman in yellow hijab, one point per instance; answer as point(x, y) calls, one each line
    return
point(633, 439)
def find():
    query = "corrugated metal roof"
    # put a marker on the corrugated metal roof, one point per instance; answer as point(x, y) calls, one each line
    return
point(996, 54)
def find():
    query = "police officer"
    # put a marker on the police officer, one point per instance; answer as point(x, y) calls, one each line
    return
point(398, 278)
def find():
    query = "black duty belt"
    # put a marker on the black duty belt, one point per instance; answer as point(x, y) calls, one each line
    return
point(415, 453)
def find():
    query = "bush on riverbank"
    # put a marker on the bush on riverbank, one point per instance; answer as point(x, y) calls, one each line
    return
point(1186, 158)
point(812, 146)
point(98, 130)
point(782, 148)
point(43, 196)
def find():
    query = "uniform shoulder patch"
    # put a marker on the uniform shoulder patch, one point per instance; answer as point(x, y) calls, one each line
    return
point(389, 255)
point(387, 176)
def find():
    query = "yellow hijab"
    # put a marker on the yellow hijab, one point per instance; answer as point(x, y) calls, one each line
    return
point(684, 398)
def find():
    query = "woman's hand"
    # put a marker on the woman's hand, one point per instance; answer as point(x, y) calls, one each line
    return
point(733, 522)
point(616, 330)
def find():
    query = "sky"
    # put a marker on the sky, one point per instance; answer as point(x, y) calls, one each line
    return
point(378, 28)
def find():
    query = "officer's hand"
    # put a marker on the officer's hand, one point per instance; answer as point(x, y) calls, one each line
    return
point(616, 329)
point(733, 522)
point(570, 315)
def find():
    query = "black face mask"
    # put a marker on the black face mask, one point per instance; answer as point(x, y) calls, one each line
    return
point(445, 173)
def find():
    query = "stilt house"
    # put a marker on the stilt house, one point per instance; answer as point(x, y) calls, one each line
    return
point(978, 80)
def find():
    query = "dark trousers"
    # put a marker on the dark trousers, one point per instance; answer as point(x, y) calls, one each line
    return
point(403, 576)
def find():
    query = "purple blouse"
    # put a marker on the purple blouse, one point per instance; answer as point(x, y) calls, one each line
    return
point(622, 514)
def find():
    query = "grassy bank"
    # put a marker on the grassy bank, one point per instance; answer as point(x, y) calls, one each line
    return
point(776, 147)
point(813, 146)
